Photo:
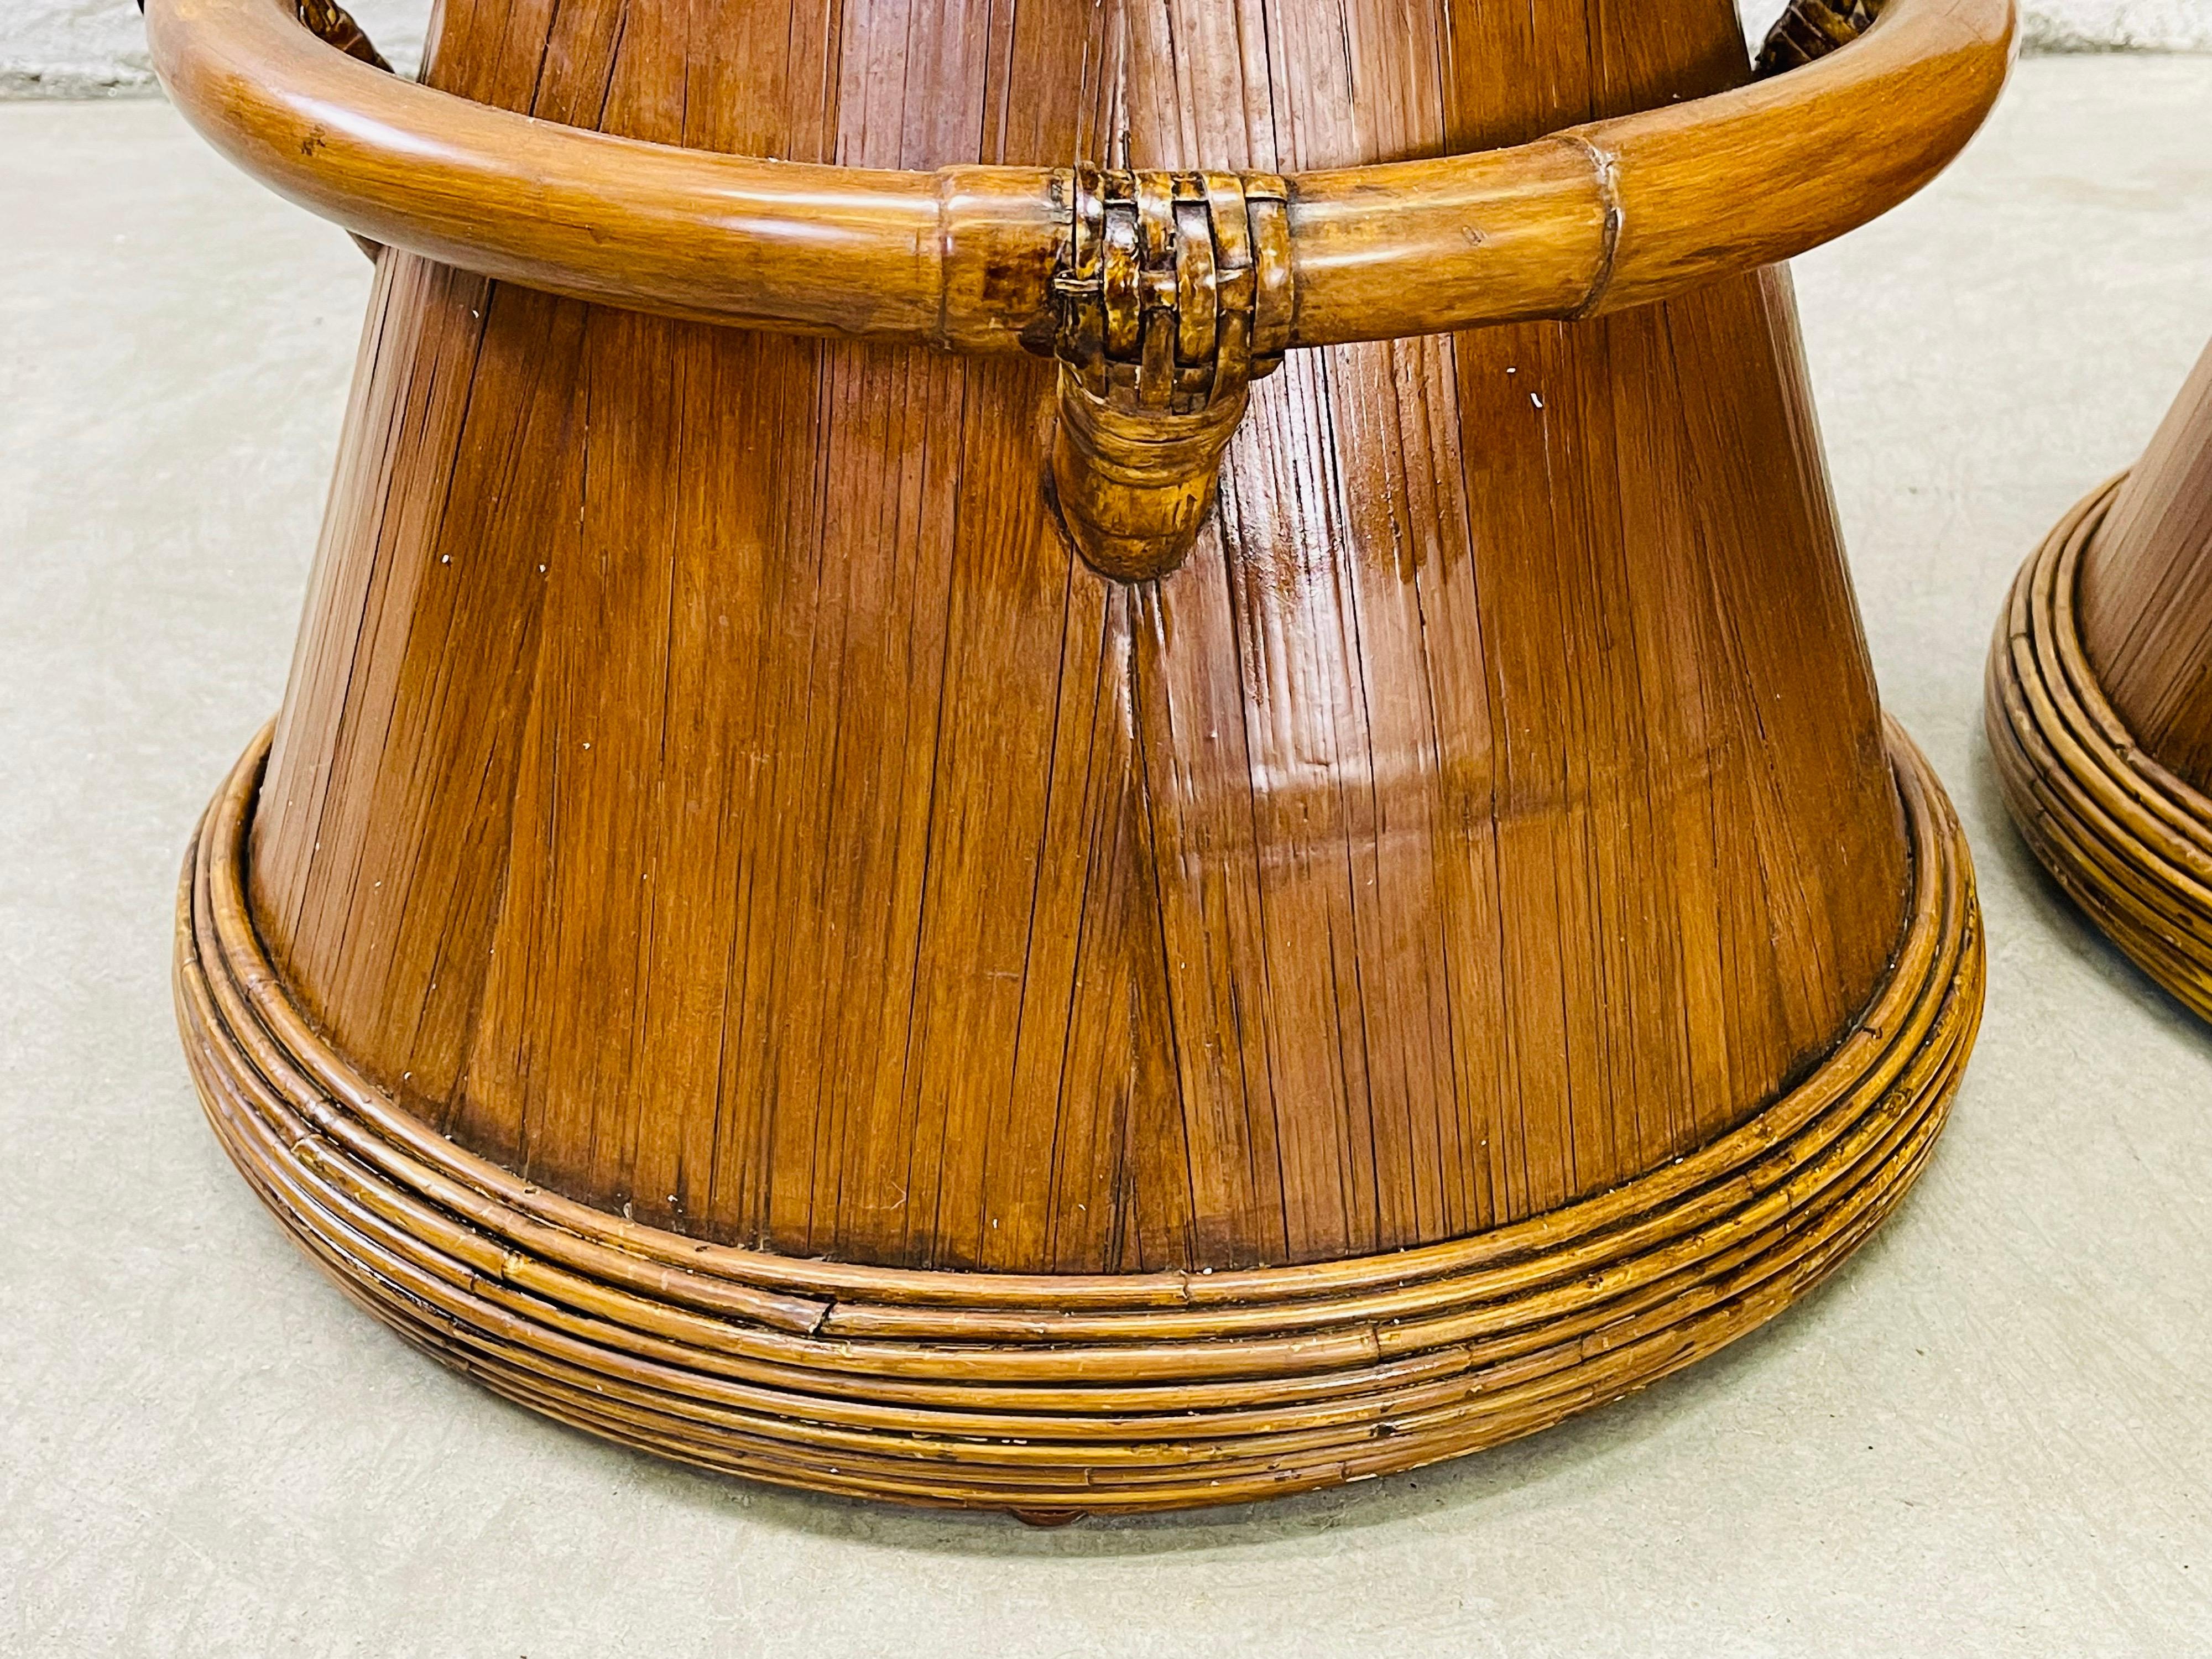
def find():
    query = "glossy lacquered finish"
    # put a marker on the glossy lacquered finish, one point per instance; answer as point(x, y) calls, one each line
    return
point(733, 886)
point(1165, 291)
point(1595, 216)
point(2100, 703)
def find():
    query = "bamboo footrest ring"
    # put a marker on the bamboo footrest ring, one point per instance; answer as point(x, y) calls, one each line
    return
point(1051, 1396)
point(2129, 842)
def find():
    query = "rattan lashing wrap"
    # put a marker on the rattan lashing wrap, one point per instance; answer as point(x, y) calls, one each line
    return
point(2130, 842)
point(1076, 1394)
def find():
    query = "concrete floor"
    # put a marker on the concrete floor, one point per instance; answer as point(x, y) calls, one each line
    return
point(1989, 1436)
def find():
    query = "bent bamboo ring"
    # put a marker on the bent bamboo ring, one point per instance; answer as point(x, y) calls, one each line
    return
point(1591, 218)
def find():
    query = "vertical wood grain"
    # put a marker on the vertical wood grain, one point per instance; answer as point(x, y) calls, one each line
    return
point(2146, 596)
point(709, 785)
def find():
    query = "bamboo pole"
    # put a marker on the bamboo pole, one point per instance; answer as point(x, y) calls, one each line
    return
point(1595, 217)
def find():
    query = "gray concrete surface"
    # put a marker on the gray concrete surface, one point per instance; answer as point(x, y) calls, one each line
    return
point(2052, 26)
point(97, 48)
point(1991, 1435)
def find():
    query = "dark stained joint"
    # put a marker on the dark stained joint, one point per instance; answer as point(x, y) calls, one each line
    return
point(1173, 289)
point(1811, 29)
point(333, 25)
point(1171, 295)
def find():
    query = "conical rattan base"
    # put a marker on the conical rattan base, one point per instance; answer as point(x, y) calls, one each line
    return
point(2130, 842)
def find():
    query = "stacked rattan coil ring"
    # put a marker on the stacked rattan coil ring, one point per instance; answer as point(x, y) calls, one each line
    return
point(1075, 1394)
point(2130, 842)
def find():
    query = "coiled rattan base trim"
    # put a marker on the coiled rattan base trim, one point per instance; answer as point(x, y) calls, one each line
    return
point(1058, 1395)
point(2130, 842)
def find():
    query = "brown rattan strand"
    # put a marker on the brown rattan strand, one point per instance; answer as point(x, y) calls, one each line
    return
point(1473, 1287)
point(1779, 1183)
point(1911, 1105)
point(1503, 1414)
point(577, 1364)
point(2152, 803)
point(2129, 842)
point(1872, 1162)
point(722, 1435)
point(993, 1395)
point(360, 1118)
point(1512, 1315)
point(485, 1346)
